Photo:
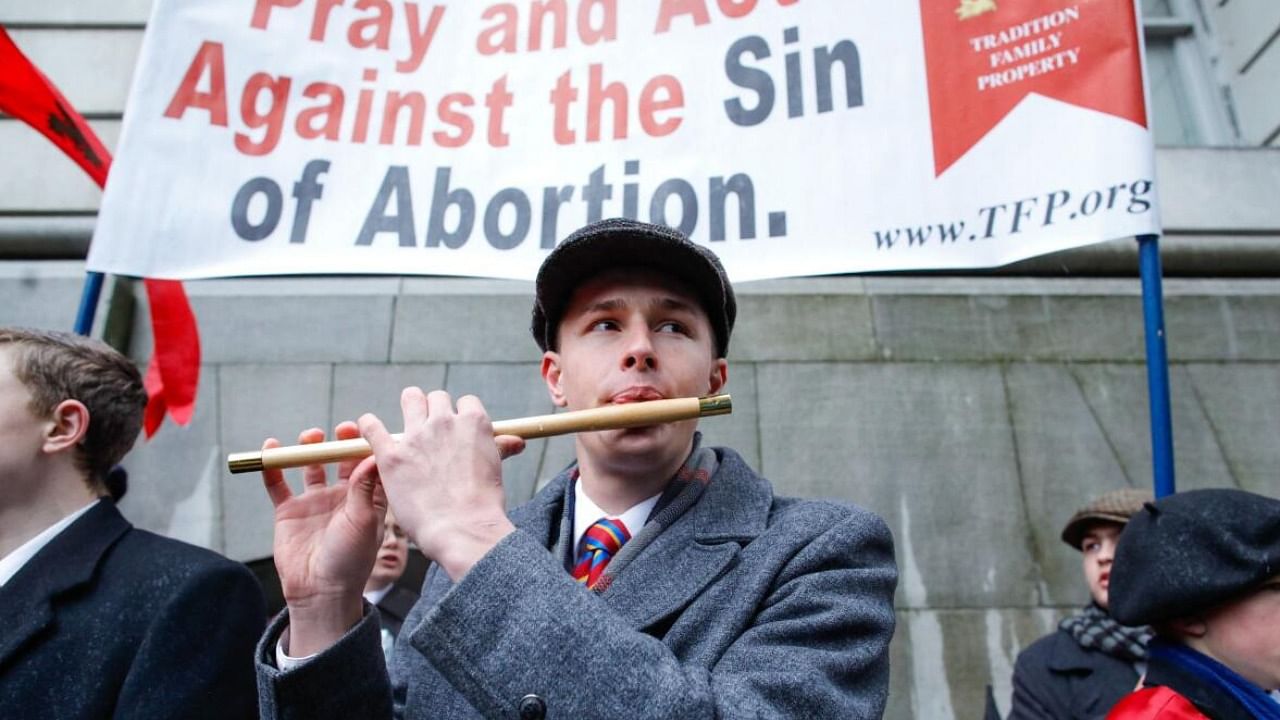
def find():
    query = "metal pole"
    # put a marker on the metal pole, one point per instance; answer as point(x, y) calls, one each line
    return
point(88, 302)
point(1157, 365)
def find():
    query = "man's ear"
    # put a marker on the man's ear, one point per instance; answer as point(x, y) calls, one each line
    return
point(719, 376)
point(66, 427)
point(552, 374)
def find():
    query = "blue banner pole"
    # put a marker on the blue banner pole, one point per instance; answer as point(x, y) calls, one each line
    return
point(88, 302)
point(1157, 364)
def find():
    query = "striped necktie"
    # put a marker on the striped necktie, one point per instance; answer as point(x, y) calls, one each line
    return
point(599, 544)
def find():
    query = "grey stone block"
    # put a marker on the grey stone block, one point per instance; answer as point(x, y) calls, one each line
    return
point(176, 477)
point(464, 321)
point(257, 402)
point(375, 388)
point(1242, 180)
point(803, 327)
point(1242, 403)
point(91, 67)
point(43, 295)
point(1065, 459)
point(37, 177)
point(928, 447)
point(1008, 327)
point(75, 11)
point(286, 321)
point(943, 660)
point(1117, 395)
point(1217, 327)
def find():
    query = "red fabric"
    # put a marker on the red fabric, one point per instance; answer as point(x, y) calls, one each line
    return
point(27, 94)
point(174, 373)
point(1155, 703)
point(1091, 61)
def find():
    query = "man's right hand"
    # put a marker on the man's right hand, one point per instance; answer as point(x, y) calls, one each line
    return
point(326, 541)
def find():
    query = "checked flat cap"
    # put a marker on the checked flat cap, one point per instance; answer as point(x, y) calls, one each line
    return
point(620, 243)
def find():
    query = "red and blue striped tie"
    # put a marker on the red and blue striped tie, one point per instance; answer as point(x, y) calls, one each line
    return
point(600, 543)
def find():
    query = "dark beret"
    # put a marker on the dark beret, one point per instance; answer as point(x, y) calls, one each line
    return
point(620, 243)
point(1191, 551)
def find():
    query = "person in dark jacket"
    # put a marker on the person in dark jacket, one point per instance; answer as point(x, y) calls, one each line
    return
point(1081, 670)
point(1203, 568)
point(393, 601)
point(99, 619)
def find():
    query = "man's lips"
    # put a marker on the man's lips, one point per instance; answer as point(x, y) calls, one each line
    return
point(636, 394)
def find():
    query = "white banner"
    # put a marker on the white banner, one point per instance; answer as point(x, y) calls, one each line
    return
point(794, 137)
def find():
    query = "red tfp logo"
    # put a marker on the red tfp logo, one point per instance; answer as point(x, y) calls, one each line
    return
point(984, 56)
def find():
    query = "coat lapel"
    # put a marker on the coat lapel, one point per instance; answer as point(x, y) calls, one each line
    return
point(697, 549)
point(67, 562)
point(540, 517)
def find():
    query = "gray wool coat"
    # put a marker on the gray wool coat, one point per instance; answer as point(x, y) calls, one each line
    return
point(749, 605)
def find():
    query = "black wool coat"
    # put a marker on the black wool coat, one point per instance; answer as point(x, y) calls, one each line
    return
point(108, 621)
point(1056, 679)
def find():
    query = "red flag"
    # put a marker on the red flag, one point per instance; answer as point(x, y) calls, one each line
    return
point(174, 373)
point(983, 57)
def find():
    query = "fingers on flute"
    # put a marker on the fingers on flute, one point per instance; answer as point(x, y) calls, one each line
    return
point(313, 476)
point(346, 430)
point(509, 445)
point(365, 489)
point(413, 403)
point(375, 433)
point(277, 489)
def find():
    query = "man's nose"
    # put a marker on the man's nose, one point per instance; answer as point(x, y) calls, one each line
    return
point(639, 350)
point(1107, 552)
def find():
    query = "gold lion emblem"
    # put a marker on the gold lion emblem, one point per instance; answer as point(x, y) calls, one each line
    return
point(974, 8)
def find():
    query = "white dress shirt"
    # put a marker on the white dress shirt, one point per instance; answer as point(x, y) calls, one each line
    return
point(14, 561)
point(586, 513)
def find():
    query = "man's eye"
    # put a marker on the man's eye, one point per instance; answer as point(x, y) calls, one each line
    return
point(671, 326)
point(604, 325)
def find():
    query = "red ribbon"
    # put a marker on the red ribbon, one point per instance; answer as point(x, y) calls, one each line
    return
point(983, 57)
point(174, 372)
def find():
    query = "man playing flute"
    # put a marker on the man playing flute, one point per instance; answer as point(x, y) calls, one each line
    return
point(654, 578)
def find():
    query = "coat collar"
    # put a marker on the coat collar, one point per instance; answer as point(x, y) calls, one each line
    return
point(687, 556)
point(67, 562)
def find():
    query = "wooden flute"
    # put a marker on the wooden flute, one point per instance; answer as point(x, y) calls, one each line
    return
point(609, 417)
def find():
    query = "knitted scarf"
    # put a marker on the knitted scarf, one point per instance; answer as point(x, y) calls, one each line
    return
point(1250, 696)
point(681, 494)
point(1094, 629)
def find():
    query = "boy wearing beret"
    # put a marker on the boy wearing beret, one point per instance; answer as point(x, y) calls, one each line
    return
point(654, 578)
point(1091, 661)
point(1203, 568)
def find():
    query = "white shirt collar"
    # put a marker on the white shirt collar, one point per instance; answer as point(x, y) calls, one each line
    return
point(586, 513)
point(14, 561)
point(375, 596)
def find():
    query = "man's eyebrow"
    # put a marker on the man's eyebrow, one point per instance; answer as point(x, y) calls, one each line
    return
point(610, 305)
point(664, 303)
point(670, 303)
